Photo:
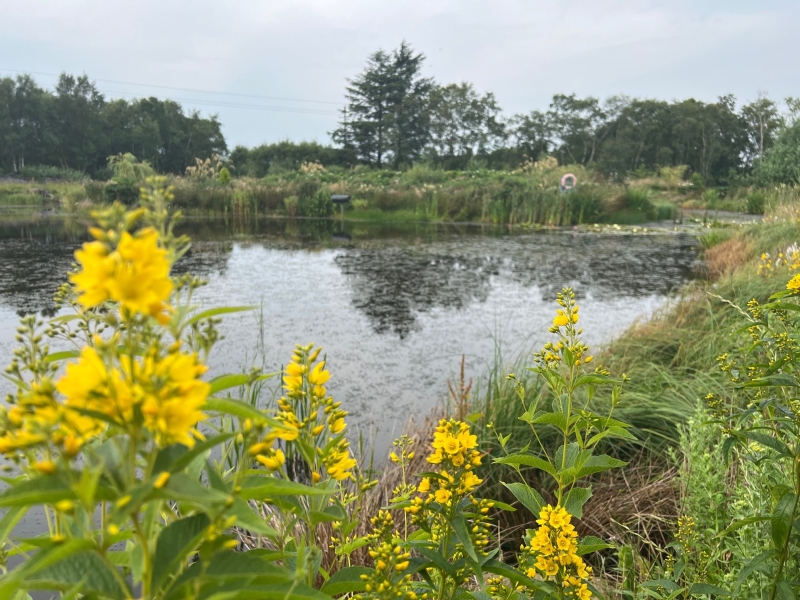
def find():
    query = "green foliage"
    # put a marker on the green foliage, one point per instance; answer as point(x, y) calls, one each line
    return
point(756, 202)
point(781, 164)
point(224, 175)
point(75, 128)
point(48, 172)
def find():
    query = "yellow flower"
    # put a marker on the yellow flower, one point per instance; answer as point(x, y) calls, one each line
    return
point(273, 461)
point(451, 445)
point(97, 269)
point(560, 320)
point(424, 485)
point(141, 280)
point(174, 396)
point(338, 426)
point(318, 375)
point(442, 496)
point(161, 480)
point(45, 467)
point(794, 284)
point(393, 457)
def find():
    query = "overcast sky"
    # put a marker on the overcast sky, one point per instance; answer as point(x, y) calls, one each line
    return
point(302, 51)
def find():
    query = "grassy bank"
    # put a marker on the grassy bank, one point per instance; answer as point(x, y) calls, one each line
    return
point(671, 361)
point(530, 195)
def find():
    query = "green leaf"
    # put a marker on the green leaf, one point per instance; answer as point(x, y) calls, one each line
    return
point(591, 544)
point(592, 379)
point(779, 380)
point(527, 460)
point(225, 382)
point(215, 312)
point(240, 409)
point(527, 496)
point(10, 519)
point(87, 568)
point(175, 542)
point(247, 518)
point(57, 356)
point(42, 490)
point(459, 525)
point(41, 560)
point(661, 583)
point(177, 457)
point(752, 566)
point(596, 464)
point(260, 487)
point(346, 581)
point(768, 441)
point(512, 574)
point(706, 588)
point(575, 500)
point(742, 523)
point(331, 513)
point(785, 591)
point(782, 518)
point(183, 488)
point(556, 419)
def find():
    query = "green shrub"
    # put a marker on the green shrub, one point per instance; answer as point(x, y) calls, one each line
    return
point(224, 175)
point(638, 200)
point(318, 205)
point(290, 203)
point(41, 172)
point(125, 191)
point(756, 202)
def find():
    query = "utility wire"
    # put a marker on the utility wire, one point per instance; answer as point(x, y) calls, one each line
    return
point(165, 87)
point(222, 104)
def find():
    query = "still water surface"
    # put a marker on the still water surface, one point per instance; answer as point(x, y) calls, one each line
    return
point(394, 307)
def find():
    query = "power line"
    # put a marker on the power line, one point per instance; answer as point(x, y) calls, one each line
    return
point(166, 87)
point(221, 104)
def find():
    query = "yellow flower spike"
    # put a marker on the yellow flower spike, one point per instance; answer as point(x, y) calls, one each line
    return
point(314, 355)
point(45, 467)
point(318, 429)
point(161, 480)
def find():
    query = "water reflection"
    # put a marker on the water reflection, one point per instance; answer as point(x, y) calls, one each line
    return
point(393, 284)
point(394, 273)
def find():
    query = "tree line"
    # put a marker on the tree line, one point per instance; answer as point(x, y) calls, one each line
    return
point(394, 117)
point(76, 127)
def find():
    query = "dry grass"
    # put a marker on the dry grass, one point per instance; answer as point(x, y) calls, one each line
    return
point(726, 257)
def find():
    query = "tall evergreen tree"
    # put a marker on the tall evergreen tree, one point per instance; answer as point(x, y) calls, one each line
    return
point(387, 109)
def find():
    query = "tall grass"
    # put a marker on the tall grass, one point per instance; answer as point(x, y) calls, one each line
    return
point(671, 361)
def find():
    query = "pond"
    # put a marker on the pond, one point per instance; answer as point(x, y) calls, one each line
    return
point(395, 307)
